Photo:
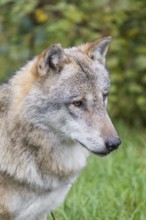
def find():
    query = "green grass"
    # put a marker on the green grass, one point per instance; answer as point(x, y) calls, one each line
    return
point(113, 187)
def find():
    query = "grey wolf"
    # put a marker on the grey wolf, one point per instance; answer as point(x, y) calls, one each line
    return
point(52, 116)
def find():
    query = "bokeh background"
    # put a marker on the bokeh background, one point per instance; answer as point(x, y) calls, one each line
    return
point(27, 27)
point(114, 187)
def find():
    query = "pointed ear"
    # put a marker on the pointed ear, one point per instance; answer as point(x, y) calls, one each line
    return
point(97, 50)
point(51, 58)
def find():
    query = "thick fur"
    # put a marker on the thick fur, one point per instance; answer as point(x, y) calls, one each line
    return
point(52, 115)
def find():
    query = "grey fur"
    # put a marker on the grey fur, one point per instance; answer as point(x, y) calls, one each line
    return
point(45, 137)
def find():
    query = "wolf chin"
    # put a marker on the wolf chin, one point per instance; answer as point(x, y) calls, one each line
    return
point(52, 116)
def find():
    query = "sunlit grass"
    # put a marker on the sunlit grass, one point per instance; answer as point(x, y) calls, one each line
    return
point(113, 187)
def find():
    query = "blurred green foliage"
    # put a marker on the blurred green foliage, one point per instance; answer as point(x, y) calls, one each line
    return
point(27, 27)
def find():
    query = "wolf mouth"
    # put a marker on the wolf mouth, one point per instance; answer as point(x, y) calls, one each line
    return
point(102, 154)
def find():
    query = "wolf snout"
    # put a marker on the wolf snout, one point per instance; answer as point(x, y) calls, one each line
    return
point(112, 143)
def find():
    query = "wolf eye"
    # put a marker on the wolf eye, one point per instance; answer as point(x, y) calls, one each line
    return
point(104, 97)
point(78, 103)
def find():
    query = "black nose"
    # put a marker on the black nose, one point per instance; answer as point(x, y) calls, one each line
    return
point(112, 143)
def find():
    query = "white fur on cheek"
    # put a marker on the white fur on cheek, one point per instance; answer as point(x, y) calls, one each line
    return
point(89, 137)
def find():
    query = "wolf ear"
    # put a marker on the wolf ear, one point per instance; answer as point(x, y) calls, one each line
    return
point(97, 50)
point(51, 58)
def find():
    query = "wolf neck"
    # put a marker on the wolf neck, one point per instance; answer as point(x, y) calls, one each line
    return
point(66, 157)
point(37, 156)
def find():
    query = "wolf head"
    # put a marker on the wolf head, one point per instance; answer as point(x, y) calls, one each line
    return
point(70, 94)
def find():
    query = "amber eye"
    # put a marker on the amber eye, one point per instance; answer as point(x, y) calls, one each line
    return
point(78, 103)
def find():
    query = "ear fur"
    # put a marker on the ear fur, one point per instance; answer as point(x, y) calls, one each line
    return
point(51, 58)
point(97, 50)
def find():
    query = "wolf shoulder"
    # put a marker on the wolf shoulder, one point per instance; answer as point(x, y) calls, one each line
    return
point(4, 98)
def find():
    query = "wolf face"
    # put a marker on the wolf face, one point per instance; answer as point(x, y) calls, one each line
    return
point(70, 95)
